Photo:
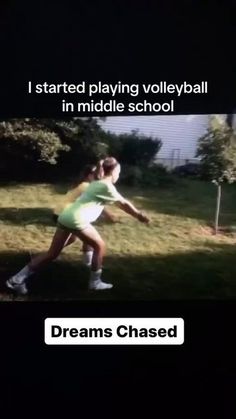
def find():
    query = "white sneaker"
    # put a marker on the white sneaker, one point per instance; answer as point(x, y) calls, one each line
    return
point(99, 285)
point(19, 288)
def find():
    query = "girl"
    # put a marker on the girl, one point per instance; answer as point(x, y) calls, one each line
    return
point(89, 174)
point(77, 219)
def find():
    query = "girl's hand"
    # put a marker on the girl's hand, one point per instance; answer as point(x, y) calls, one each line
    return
point(143, 218)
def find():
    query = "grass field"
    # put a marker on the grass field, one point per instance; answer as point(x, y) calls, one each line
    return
point(175, 257)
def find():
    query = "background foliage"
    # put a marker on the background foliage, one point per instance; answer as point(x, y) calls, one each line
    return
point(217, 150)
point(46, 149)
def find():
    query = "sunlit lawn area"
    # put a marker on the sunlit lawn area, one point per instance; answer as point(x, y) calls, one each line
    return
point(175, 257)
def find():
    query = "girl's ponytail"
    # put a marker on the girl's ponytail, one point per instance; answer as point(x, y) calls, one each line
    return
point(99, 170)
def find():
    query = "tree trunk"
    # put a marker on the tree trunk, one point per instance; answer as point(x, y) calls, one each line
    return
point(217, 208)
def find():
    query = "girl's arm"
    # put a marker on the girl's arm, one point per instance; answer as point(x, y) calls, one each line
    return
point(130, 209)
point(109, 216)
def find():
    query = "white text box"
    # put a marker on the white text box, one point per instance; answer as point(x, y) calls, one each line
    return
point(114, 331)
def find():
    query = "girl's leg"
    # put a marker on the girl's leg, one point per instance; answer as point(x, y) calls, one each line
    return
point(71, 239)
point(87, 254)
point(39, 261)
point(86, 249)
point(58, 242)
point(92, 238)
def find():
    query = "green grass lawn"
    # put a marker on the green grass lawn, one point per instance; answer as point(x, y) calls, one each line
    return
point(175, 257)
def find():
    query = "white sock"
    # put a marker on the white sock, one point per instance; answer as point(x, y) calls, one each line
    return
point(87, 257)
point(22, 275)
point(96, 275)
point(96, 282)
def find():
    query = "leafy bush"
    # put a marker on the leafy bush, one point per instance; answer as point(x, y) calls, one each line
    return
point(47, 149)
point(133, 149)
point(155, 175)
point(30, 142)
point(131, 175)
point(41, 149)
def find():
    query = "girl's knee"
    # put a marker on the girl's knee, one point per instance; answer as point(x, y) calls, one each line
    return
point(100, 246)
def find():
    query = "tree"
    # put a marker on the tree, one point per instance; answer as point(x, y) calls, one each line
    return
point(81, 136)
point(217, 150)
point(47, 148)
point(30, 140)
point(33, 146)
point(84, 137)
point(133, 149)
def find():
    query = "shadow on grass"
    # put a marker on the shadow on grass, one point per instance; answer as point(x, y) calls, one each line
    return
point(192, 275)
point(25, 216)
point(62, 188)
